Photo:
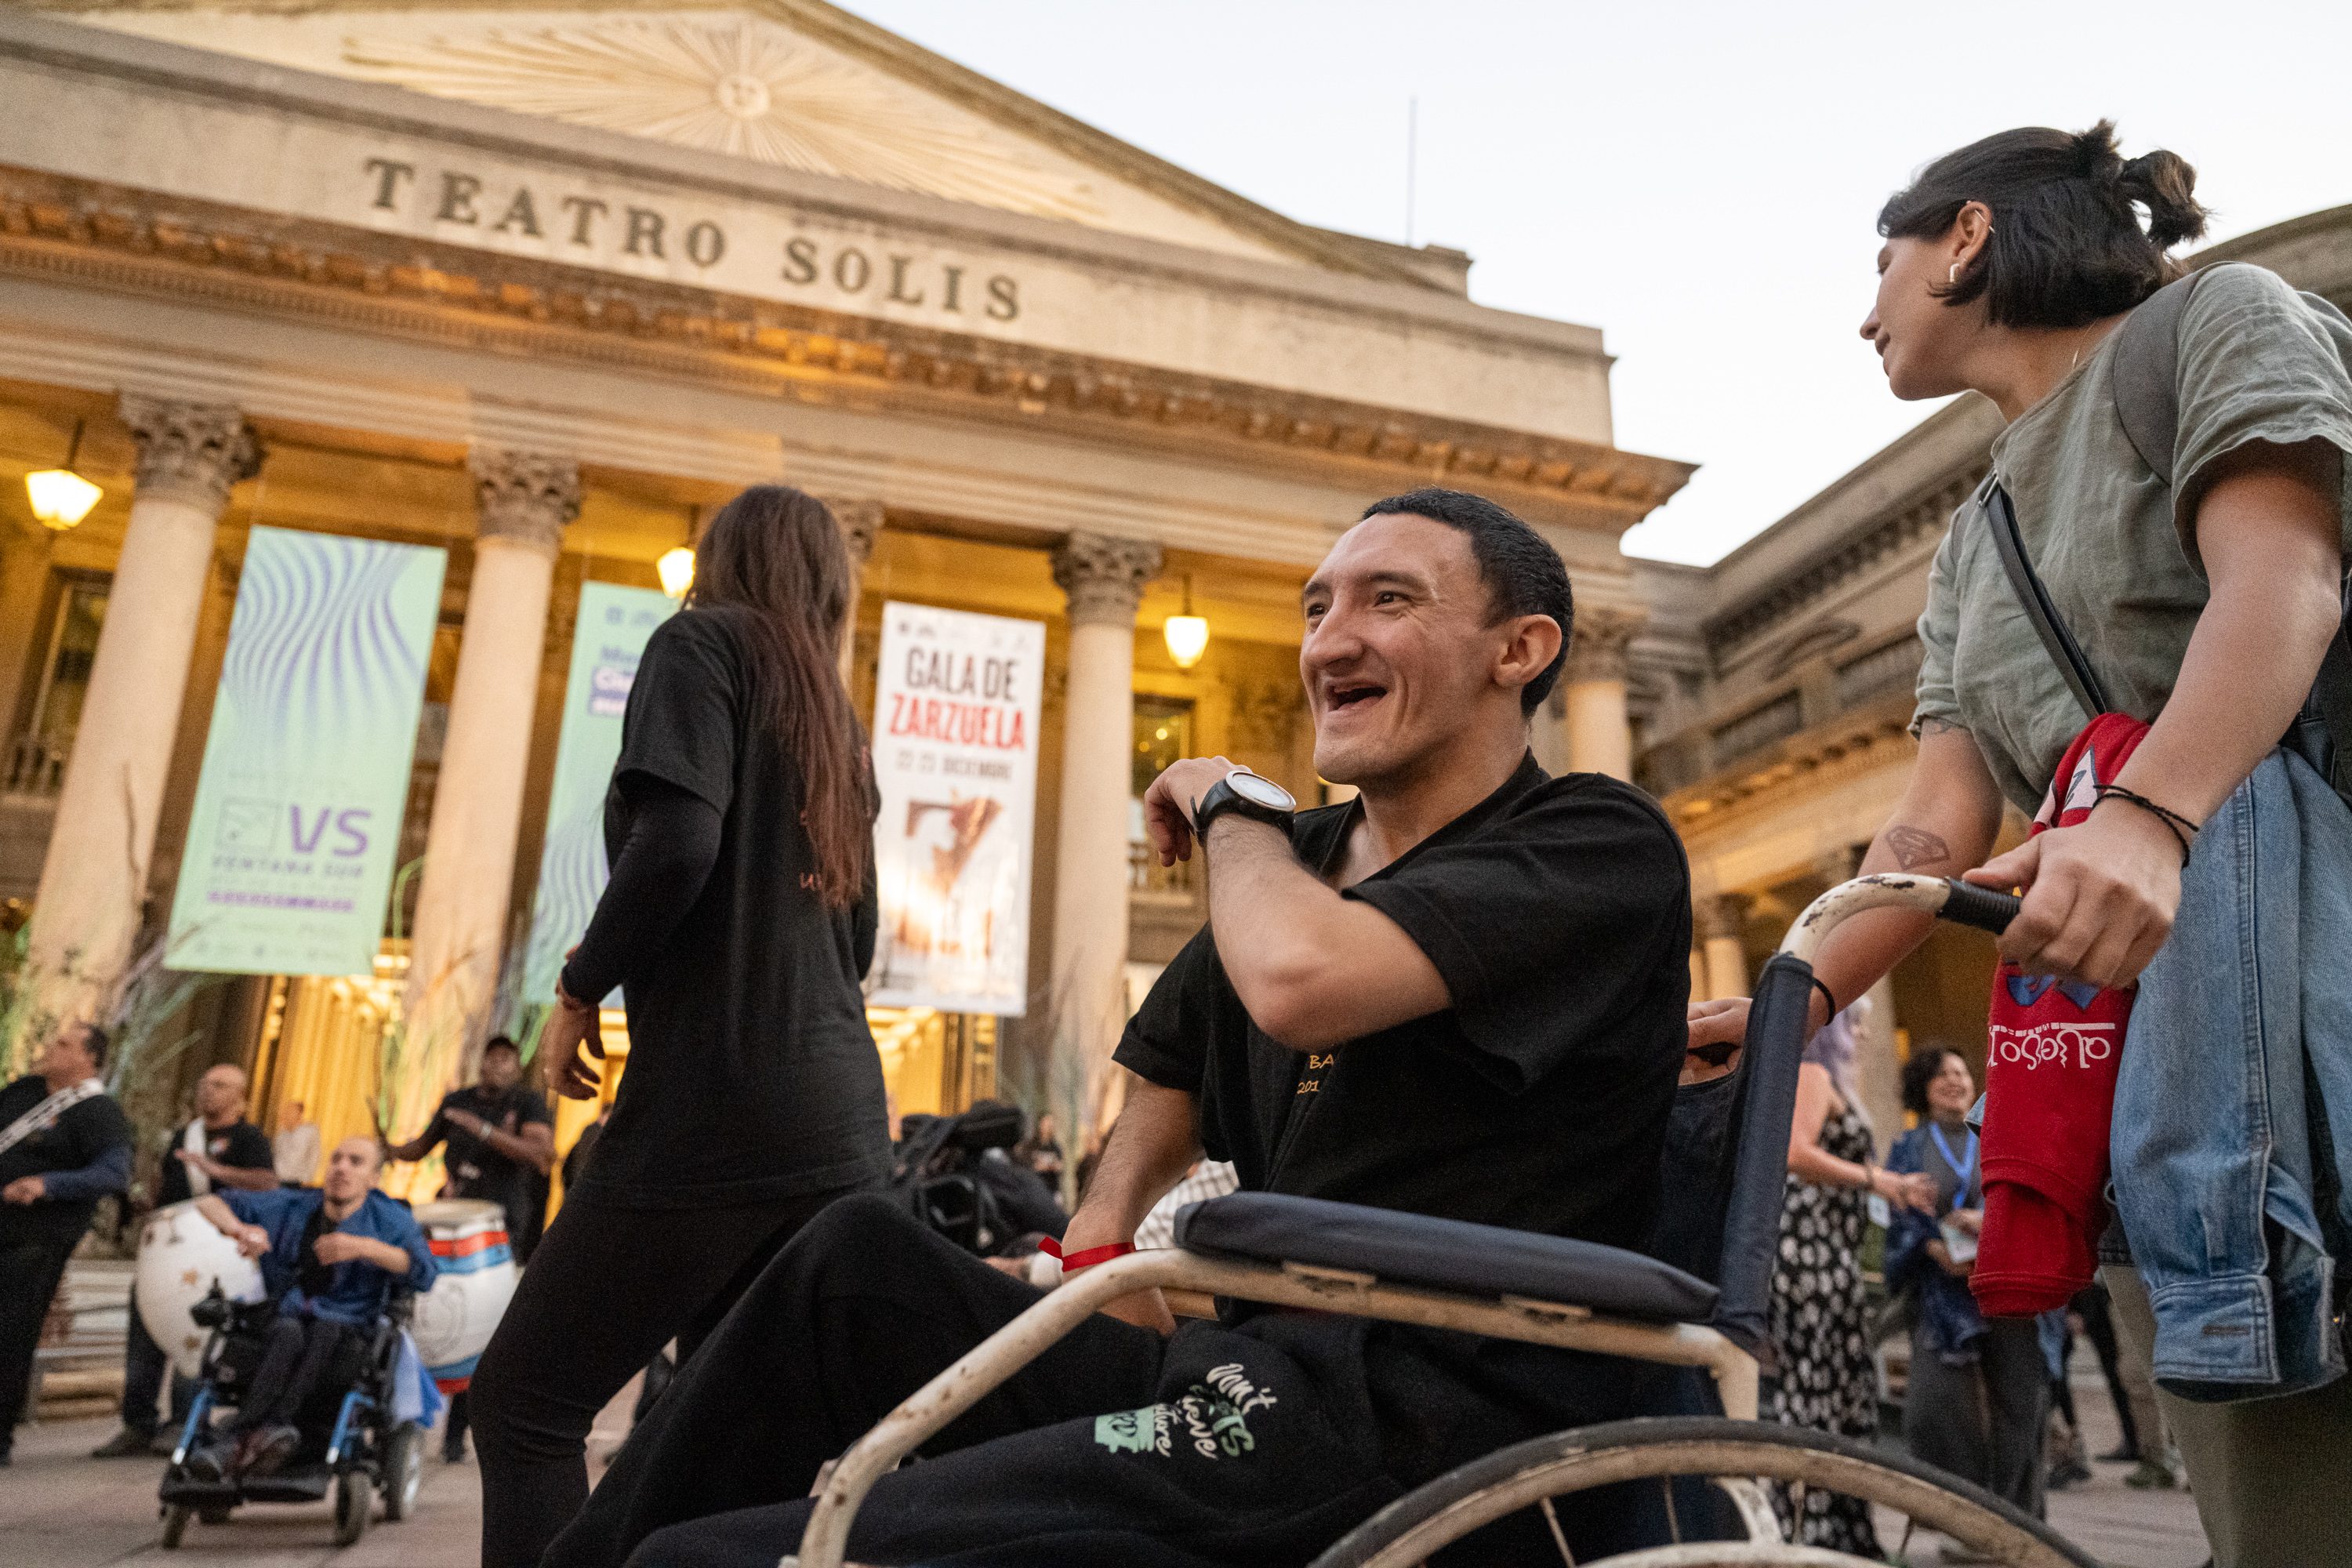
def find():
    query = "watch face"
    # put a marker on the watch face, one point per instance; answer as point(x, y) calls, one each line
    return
point(1262, 791)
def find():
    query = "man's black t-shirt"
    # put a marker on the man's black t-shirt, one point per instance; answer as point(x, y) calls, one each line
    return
point(84, 1132)
point(240, 1145)
point(1557, 911)
point(752, 1073)
point(475, 1169)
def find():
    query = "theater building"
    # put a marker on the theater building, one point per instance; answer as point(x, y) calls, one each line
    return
point(542, 286)
point(1774, 691)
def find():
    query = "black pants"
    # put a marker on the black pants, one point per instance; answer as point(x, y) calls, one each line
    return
point(30, 1267)
point(304, 1356)
point(605, 1289)
point(2098, 1327)
point(1983, 1421)
point(1220, 1446)
point(144, 1364)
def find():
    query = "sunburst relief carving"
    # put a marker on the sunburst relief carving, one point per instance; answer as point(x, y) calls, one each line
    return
point(740, 87)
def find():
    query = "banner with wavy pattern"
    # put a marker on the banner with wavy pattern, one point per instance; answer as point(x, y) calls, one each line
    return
point(614, 623)
point(297, 821)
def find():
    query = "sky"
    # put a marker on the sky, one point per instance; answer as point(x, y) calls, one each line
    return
point(1699, 180)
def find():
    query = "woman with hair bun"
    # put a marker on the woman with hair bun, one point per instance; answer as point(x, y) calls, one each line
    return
point(739, 921)
point(2213, 871)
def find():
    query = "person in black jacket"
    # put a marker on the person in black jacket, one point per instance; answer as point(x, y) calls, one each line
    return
point(64, 1144)
point(741, 915)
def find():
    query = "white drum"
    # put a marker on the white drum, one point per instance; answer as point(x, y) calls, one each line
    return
point(455, 1320)
point(181, 1255)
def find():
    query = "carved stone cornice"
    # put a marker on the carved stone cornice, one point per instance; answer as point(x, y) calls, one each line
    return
point(114, 237)
point(192, 453)
point(1597, 645)
point(1104, 577)
point(860, 522)
point(1723, 918)
point(526, 497)
point(1792, 591)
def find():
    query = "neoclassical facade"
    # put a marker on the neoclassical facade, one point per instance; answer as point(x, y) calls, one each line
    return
point(544, 285)
point(1775, 691)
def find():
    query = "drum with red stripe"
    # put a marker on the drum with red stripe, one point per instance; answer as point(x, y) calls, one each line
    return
point(455, 1320)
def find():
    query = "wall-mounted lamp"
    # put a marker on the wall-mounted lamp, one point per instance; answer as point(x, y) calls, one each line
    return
point(676, 569)
point(60, 497)
point(1187, 634)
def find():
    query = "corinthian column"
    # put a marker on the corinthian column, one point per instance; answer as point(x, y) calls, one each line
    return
point(94, 881)
point(1720, 922)
point(1104, 578)
point(522, 501)
point(1600, 739)
point(860, 522)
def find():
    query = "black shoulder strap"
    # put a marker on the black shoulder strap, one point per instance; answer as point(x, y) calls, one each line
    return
point(2146, 373)
point(2080, 678)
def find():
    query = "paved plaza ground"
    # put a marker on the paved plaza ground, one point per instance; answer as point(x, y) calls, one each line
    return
point(61, 1509)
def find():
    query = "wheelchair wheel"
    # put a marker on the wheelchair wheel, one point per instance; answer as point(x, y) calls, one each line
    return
point(175, 1524)
point(403, 1470)
point(1734, 1455)
point(355, 1503)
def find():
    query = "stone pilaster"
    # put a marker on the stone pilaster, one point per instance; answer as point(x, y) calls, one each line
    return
point(860, 522)
point(1721, 921)
point(1104, 578)
point(94, 880)
point(1600, 738)
point(523, 502)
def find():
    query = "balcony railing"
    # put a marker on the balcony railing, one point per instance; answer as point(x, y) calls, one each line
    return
point(36, 766)
point(1147, 880)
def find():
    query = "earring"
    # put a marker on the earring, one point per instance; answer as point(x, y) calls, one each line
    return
point(1954, 275)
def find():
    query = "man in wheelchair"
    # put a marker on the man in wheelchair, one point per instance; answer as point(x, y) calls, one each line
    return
point(1460, 995)
point(330, 1257)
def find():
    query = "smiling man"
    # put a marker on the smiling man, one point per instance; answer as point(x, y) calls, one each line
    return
point(1461, 994)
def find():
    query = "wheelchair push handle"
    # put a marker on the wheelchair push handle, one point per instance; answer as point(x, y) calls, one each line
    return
point(1946, 897)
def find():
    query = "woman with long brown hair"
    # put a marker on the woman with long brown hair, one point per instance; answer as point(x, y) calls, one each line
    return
point(738, 923)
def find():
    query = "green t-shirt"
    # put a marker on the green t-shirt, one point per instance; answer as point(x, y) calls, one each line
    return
point(2101, 531)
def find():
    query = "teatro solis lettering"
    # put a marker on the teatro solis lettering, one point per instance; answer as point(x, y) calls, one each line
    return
point(465, 200)
point(992, 720)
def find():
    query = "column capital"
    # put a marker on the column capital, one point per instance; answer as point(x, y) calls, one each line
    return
point(1724, 917)
point(1104, 576)
point(860, 521)
point(528, 497)
point(1597, 644)
point(190, 452)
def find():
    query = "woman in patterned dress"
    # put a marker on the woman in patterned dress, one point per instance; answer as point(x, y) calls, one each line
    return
point(1827, 1381)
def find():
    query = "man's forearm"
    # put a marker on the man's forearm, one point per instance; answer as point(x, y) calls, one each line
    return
point(244, 1178)
point(223, 1217)
point(1157, 1140)
point(538, 1155)
point(1313, 969)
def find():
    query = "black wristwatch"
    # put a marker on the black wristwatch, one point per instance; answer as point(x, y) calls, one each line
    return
point(1255, 796)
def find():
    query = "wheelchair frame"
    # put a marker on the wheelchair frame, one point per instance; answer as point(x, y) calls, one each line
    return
point(363, 1455)
point(1942, 1501)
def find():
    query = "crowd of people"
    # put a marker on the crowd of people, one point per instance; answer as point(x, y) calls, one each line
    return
point(1462, 992)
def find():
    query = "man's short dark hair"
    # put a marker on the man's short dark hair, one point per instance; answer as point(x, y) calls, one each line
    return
point(502, 1042)
point(94, 1041)
point(1920, 1070)
point(1523, 573)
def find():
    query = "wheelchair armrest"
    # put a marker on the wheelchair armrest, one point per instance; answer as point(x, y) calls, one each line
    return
point(1445, 1255)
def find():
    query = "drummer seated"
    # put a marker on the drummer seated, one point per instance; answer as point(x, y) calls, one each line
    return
point(330, 1257)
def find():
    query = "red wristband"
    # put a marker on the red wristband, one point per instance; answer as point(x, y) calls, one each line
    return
point(1073, 1262)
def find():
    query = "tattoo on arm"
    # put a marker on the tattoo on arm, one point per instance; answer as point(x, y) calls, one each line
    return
point(1938, 726)
point(1915, 845)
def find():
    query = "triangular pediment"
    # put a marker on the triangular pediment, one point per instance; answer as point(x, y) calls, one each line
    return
point(793, 83)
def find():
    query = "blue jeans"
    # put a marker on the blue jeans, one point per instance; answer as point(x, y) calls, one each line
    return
point(2234, 1106)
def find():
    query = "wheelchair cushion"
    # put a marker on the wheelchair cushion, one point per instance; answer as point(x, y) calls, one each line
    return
point(1443, 1254)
